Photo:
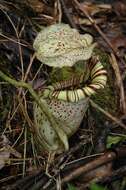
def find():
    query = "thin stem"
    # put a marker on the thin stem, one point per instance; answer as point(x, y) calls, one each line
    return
point(43, 106)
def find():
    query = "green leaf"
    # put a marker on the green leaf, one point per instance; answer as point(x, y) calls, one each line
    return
point(111, 140)
point(94, 186)
point(71, 187)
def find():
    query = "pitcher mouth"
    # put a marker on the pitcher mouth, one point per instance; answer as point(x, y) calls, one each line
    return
point(69, 91)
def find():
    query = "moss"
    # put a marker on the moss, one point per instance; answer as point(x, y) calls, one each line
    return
point(59, 74)
point(107, 98)
point(66, 73)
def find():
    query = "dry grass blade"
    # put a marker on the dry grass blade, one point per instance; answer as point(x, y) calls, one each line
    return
point(18, 39)
point(29, 66)
point(12, 40)
point(25, 149)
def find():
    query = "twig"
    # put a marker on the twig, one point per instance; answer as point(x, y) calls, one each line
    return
point(96, 106)
point(105, 158)
point(57, 14)
point(119, 81)
point(67, 14)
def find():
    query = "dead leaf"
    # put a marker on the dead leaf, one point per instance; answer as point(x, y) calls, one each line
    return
point(120, 8)
point(93, 9)
point(6, 150)
point(119, 43)
point(86, 21)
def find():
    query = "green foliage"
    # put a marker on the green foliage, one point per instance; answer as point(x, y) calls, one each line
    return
point(71, 187)
point(112, 140)
point(94, 186)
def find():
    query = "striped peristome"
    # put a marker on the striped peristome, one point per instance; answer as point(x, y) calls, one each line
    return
point(98, 78)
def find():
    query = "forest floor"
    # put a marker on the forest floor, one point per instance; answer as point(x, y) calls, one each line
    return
point(96, 156)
